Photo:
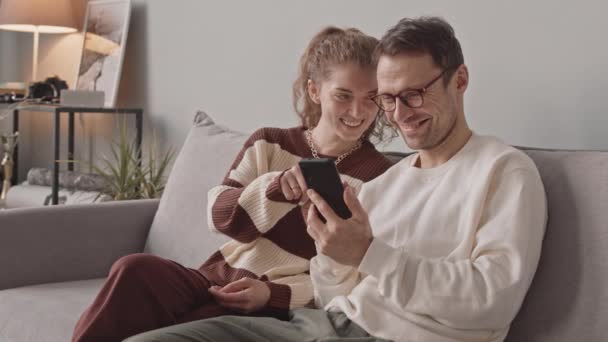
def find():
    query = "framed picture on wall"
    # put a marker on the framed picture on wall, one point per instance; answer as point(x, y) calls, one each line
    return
point(106, 26)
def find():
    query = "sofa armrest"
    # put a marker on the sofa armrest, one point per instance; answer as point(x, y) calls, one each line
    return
point(75, 242)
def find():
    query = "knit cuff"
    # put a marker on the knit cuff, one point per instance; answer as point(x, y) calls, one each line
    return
point(279, 302)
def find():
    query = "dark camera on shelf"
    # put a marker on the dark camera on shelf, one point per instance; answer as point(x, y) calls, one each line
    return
point(47, 90)
point(10, 97)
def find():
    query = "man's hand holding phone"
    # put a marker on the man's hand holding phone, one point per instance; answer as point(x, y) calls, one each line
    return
point(321, 175)
point(344, 240)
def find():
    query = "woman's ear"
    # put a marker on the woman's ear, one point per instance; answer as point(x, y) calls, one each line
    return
point(314, 92)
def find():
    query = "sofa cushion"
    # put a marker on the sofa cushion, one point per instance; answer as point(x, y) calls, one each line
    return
point(179, 231)
point(568, 299)
point(46, 312)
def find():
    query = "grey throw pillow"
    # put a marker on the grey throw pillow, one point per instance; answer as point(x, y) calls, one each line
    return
point(179, 231)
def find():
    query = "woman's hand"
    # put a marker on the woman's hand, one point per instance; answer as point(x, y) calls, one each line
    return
point(293, 185)
point(245, 295)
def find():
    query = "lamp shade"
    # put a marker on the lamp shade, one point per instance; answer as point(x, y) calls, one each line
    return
point(44, 16)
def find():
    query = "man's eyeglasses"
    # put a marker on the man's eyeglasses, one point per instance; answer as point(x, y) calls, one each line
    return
point(413, 98)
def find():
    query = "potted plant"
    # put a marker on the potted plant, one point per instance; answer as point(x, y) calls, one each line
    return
point(127, 176)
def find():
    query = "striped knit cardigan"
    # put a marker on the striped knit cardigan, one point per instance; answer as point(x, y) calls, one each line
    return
point(269, 238)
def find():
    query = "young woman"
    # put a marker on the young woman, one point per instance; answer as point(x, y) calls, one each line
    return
point(263, 270)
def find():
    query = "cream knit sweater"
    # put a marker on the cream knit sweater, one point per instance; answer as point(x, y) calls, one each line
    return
point(455, 248)
point(269, 238)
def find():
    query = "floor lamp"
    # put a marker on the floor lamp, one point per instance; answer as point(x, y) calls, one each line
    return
point(37, 16)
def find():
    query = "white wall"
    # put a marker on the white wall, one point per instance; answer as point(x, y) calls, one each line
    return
point(9, 71)
point(8, 56)
point(539, 70)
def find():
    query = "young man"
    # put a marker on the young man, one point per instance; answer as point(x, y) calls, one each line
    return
point(441, 247)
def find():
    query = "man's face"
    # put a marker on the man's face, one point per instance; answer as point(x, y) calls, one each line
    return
point(426, 127)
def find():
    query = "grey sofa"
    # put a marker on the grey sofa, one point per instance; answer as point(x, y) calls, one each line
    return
point(53, 260)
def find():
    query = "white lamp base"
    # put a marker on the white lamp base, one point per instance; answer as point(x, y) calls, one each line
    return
point(35, 57)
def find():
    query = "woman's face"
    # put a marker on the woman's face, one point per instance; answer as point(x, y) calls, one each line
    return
point(347, 110)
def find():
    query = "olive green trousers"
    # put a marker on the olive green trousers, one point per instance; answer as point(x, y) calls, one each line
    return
point(305, 325)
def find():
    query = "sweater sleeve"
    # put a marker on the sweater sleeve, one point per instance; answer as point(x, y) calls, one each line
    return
point(289, 293)
point(486, 290)
point(331, 279)
point(249, 202)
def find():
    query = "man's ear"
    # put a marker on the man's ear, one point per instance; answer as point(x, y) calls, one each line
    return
point(314, 92)
point(461, 78)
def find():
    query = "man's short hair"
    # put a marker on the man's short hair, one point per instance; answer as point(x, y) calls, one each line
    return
point(432, 35)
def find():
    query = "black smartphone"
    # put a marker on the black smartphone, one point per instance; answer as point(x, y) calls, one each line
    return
point(322, 176)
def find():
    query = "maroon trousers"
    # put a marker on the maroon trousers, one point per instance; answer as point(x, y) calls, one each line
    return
point(145, 292)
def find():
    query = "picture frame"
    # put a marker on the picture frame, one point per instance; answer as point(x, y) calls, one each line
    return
point(106, 26)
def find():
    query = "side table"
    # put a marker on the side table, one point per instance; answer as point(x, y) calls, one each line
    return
point(58, 110)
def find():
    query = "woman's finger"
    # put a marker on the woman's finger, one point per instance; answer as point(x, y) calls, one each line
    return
point(228, 297)
point(297, 172)
point(286, 188)
point(237, 285)
point(293, 184)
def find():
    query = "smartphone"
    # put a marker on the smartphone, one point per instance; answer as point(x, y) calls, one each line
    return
point(322, 176)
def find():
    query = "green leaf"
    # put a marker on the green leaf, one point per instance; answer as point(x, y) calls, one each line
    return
point(126, 176)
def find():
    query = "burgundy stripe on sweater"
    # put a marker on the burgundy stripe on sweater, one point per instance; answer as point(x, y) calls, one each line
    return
point(217, 270)
point(232, 220)
point(290, 234)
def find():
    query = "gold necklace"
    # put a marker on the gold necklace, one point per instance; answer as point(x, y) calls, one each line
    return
point(315, 154)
